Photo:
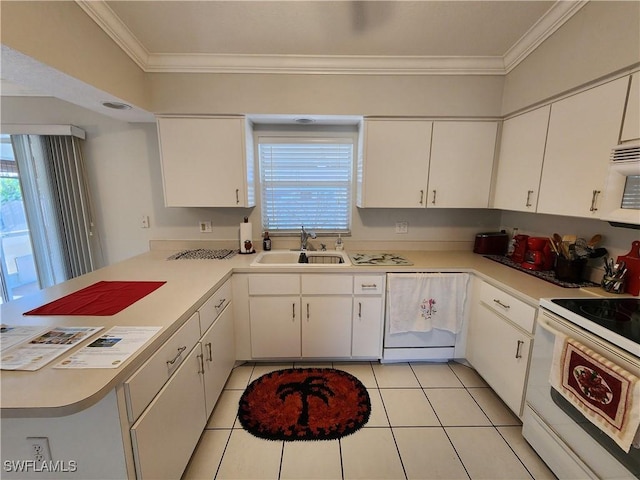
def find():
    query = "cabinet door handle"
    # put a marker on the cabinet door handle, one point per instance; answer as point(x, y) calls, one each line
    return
point(293, 310)
point(359, 309)
point(368, 285)
point(208, 345)
point(201, 358)
point(594, 198)
point(237, 196)
point(221, 303)
point(518, 354)
point(307, 311)
point(506, 307)
point(529, 192)
point(180, 350)
point(433, 202)
point(421, 196)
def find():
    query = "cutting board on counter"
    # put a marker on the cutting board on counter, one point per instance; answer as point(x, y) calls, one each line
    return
point(378, 259)
point(632, 260)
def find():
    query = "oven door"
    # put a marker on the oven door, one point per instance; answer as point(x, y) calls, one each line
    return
point(571, 445)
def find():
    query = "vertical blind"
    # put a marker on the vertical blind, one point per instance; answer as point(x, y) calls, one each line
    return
point(306, 182)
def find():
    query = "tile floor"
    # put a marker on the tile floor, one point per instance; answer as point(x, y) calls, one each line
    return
point(428, 421)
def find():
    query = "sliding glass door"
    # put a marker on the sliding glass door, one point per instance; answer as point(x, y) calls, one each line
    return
point(18, 274)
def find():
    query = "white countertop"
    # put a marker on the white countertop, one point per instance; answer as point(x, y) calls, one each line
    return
point(56, 392)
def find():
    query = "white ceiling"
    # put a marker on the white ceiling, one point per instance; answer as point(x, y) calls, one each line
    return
point(330, 36)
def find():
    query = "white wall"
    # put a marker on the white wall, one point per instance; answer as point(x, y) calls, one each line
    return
point(124, 174)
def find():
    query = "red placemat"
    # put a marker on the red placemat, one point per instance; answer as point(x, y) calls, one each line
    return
point(100, 299)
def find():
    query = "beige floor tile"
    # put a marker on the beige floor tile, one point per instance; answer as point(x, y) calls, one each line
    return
point(239, 378)
point(206, 458)
point(249, 457)
point(537, 468)
point(427, 454)
point(455, 407)
point(226, 410)
point(362, 371)
point(485, 454)
point(311, 460)
point(467, 375)
point(493, 407)
point(370, 453)
point(378, 416)
point(408, 407)
point(261, 369)
point(435, 375)
point(395, 375)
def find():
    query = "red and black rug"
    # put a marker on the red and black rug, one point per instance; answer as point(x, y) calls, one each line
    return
point(304, 404)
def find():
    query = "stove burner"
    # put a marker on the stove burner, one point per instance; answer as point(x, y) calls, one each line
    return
point(607, 312)
point(619, 315)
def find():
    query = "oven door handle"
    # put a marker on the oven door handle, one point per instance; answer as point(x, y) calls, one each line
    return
point(545, 326)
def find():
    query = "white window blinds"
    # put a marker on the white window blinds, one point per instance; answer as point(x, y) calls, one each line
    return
point(306, 181)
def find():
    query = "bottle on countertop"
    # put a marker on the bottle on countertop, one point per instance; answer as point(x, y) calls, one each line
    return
point(266, 242)
point(512, 242)
point(339, 245)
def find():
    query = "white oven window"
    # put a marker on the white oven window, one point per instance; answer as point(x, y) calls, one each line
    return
point(631, 195)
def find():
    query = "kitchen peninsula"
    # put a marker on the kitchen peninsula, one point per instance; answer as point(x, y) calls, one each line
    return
point(87, 415)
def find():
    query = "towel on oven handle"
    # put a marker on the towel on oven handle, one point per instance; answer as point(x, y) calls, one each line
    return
point(420, 302)
point(606, 394)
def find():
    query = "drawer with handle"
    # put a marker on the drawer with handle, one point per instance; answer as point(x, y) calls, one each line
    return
point(214, 306)
point(368, 284)
point(519, 312)
point(143, 385)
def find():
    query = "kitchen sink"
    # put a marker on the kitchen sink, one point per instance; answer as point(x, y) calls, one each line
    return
point(291, 258)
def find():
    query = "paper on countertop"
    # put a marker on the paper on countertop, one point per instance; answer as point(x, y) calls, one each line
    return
point(34, 354)
point(112, 349)
point(11, 335)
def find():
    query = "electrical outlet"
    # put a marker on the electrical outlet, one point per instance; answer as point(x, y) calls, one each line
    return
point(39, 448)
point(402, 227)
point(205, 227)
point(144, 221)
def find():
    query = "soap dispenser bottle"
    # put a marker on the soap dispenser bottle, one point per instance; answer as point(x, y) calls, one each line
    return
point(339, 245)
point(266, 242)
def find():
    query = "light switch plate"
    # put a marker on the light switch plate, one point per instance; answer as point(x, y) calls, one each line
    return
point(402, 227)
point(205, 227)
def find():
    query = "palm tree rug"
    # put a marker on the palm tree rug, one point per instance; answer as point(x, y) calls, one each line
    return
point(304, 404)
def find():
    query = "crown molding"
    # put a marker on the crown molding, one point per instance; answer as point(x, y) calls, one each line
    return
point(110, 23)
point(546, 26)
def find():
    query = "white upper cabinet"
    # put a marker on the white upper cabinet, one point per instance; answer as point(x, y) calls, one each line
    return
point(461, 164)
point(520, 162)
point(396, 163)
point(582, 130)
point(631, 125)
point(206, 161)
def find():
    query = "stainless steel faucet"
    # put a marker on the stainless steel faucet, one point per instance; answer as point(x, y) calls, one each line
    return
point(304, 237)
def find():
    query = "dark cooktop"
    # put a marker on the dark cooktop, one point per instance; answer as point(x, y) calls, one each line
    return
point(620, 315)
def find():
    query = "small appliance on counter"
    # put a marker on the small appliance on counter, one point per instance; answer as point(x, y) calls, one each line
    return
point(491, 243)
point(519, 248)
point(538, 254)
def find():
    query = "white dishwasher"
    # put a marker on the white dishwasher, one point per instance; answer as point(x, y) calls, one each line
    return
point(424, 314)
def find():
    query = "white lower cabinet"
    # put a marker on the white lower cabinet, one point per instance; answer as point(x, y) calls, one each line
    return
point(498, 347)
point(275, 326)
point(368, 321)
point(313, 316)
point(219, 356)
point(170, 398)
point(166, 434)
point(326, 327)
